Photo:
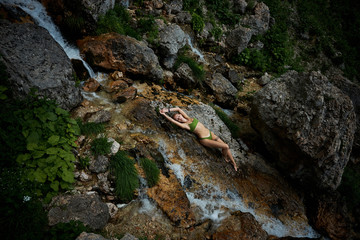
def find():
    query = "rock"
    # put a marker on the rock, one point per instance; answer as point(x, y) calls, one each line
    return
point(86, 208)
point(240, 6)
point(84, 177)
point(115, 146)
point(304, 116)
point(81, 71)
point(117, 85)
point(331, 218)
point(125, 94)
point(90, 236)
point(99, 164)
point(117, 75)
point(184, 76)
point(91, 85)
point(352, 90)
point(222, 88)
point(128, 236)
point(240, 226)
point(235, 78)
point(265, 79)
point(259, 23)
point(183, 17)
point(174, 6)
point(101, 116)
point(33, 59)
point(171, 39)
point(237, 40)
point(112, 209)
point(95, 8)
point(104, 183)
point(172, 200)
point(113, 51)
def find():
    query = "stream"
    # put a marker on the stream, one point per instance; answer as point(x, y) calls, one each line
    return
point(214, 196)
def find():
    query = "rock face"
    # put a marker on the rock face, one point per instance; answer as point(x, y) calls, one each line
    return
point(34, 60)
point(97, 7)
point(172, 38)
point(240, 226)
point(90, 236)
point(237, 40)
point(308, 125)
point(259, 22)
point(113, 51)
point(222, 88)
point(86, 208)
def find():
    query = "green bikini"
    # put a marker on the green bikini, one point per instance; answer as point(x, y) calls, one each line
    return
point(193, 125)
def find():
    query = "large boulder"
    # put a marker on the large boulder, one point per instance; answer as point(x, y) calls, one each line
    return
point(237, 40)
point(260, 21)
point(171, 39)
point(308, 125)
point(222, 88)
point(113, 51)
point(33, 59)
point(86, 208)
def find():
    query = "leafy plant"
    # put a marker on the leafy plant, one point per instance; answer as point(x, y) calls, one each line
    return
point(90, 128)
point(146, 25)
point(66, 231)
point(84, 162)
point(101, 146)
point(126, 176)
point(152, 172)
point(197, 23)
point(222, 11)
point(234, 129)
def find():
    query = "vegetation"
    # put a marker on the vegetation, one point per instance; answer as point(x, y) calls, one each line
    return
point(101, 146)
point(84, 162)
point(90, 128)
point(197, 23)
point(197, 69)
point(350, 186)
point(222, 11)
point(126, 176)
point(152, 172)
point(234, 129)
point(66, 231)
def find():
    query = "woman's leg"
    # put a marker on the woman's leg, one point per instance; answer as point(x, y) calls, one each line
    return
point(218, 143)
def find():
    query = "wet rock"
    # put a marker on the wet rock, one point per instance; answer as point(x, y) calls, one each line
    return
point(222, 88)
point(15, 14)
point(237, 40)
point(172, 38)
point(113, 51)
point(304, 116)
point(117, 75)
point(99, 164)
point(125, 94)
point(91, 85)
point(184, 76)
point(101, 116)
point(240, 226)
point(117, 85)
point(90, 236)
point(81, 71)
point(172, 200)
point(86, 208)
point(28, 53)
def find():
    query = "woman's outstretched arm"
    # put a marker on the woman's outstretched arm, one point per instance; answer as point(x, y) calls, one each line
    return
point(180, 111)
point(163, 112)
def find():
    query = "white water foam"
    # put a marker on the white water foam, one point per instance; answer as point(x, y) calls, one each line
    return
point(195, 50)
point(37, 11)
point(216, 205)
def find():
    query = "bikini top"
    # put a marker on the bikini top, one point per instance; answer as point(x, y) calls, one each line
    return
point(193, 124)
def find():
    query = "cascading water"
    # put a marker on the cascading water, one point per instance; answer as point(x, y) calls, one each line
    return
point(37, 11)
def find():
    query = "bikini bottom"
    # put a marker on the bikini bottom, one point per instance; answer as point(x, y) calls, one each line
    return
point(209, 137)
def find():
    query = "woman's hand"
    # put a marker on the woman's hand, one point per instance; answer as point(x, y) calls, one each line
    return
point(163, 111)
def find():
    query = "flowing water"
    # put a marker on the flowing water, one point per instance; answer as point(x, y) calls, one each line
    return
point(212, 200)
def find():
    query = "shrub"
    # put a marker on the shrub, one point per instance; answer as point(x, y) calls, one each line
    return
point(101, 146)
point(90, 128)
point(67, 231)
point(234, 129)
point(146, 25)
point(126, 176)
point(222, 11)
point(84, 162)
point(197, 69)
point(197, 23)
point(152, 172)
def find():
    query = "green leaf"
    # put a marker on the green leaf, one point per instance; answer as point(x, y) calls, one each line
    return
point(25, 133)
point(52, 150)
point(40, 176)
point(33, 137)
point(53, 140)
point(31, 146)
point(37, 154)
point(60, 111)
point(51, 116)
point(55, 186)
point(22, 158)
point(68, 176)
point(51, 126)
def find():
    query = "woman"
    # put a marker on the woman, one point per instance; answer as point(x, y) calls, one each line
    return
point(206, 137)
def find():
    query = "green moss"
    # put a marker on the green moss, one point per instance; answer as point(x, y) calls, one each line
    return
point(101, 146)
point(126, 176)
point(234, 129)
point(152, 172)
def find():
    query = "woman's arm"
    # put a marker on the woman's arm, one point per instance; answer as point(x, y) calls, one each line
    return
point(182, 125)
point(181, 112)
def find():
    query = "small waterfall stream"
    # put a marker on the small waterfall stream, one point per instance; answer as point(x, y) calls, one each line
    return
point(217, 204)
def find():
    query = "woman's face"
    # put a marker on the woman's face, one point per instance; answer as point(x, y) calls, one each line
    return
point(180, 118)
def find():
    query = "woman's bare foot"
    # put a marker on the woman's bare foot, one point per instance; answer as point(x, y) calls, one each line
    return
point(225, 155)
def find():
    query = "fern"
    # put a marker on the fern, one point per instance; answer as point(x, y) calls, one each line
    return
point(152, 172)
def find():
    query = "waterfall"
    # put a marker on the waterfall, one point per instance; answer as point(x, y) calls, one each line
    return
point(37, 11)
point(195, 50)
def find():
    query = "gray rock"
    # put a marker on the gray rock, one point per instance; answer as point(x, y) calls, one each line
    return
point(235, 78)
point(35, 60)
point(128, 236)
point(240, 6)
point(172, 38)
point(99, 164)
point(97, 7)
point(260, 21)
point(104, 183)
point(265, 79)
point(183, 17)
point(184, 76)
point(86, 208)
point(90, 236)
point(174, 6)
point(222, 88)
point(101, 116)
point(237, 40)
point(308, 124)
